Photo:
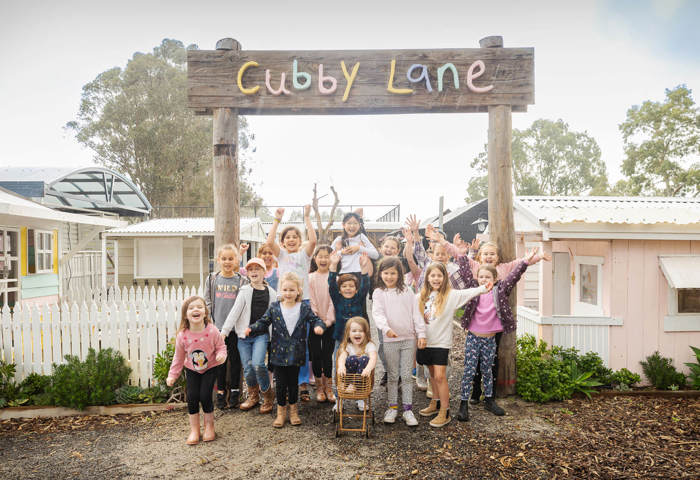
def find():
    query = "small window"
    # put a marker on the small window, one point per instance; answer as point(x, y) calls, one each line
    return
point(588, 286)
point(689, 300)
point(39, 251)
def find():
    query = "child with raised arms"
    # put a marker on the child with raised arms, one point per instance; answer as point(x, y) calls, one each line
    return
point(439, 302)
point(395, 311)
point(220, 292)
point(288, 319)
point(252, 302)
point(352, 243)
point(294, 255)
point(200, 350)
point(484, 317)
point(321, 346)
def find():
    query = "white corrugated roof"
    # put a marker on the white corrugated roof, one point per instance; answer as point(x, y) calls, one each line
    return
point(250, 229)
point(616, 210)
point(16, 205)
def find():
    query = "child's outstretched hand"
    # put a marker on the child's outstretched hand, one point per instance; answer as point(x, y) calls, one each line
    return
point(335, 259)
point(341, 369)
point(279, 213)
point(432, 233)
point(244, 248)
point(391, 334)
point(220, 357)
point(364, 262)
point(170, 381)
point(489, 286)
point(422, 343)
point(545, 256)
point(529, 257)
point(412, 223)
point(246, 332)
point(318, 330)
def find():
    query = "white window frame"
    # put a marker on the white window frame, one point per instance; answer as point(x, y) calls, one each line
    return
point(40, 252)
point(583, 308)
point(679, 322)
point(173, 263)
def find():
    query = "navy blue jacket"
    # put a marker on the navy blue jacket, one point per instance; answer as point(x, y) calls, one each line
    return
point(287, 350)
point(346, 308)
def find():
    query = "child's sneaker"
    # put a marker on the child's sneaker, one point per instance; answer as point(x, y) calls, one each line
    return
point(335, 406)
point(220, 400)
point(361, 405)
point(234, 398)
point(421, 384)
point(390, 415)
point(409, 418)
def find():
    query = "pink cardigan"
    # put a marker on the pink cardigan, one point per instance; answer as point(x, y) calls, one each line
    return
point(197, 351)
point(320, 298)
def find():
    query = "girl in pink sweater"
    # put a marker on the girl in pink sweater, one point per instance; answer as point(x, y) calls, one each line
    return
point(321, 346)
point(395, 311)
point(199, 348)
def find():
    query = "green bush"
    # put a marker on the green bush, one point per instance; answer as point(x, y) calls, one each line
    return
point(128, 394)
point(77, 384)
point(35, 384)
point(154, 394)
point(591, 362)
point(10, 395)
point(542, 375)
point(625, 377)
point(161, 367)
point(695, 369)
point(661, 372)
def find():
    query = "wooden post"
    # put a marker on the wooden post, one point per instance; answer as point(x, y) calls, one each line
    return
point(501, 227)
point(225, 167)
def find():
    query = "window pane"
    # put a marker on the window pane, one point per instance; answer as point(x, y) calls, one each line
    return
point(589, 284)
point(689, 300)
point(31, 252)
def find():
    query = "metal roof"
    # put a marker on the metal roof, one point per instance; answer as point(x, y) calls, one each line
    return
point(91, 188)
point(615, 210)
point(17, 206)
point(250, 228)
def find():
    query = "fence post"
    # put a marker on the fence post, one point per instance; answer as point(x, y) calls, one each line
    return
point(6, 332)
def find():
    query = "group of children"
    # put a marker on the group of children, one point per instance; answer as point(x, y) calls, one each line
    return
point(296, 291)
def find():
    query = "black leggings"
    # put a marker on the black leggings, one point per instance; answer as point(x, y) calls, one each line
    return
point(234, 359)
point(287, 384)
point(321, 352)
point(476, 391)
point(200, 389)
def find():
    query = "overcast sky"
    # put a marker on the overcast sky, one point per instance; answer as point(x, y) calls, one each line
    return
point(593, 60)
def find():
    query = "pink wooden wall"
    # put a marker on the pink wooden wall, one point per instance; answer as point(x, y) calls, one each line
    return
point(634, 290)
point(37, 301)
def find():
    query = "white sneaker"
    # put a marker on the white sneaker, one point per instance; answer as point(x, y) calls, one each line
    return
point(409, 418)
point(421, 384)
point(361, 405)
point(335, 407)
point(390, 415)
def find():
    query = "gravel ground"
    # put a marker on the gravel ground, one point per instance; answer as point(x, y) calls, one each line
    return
point(607, 438)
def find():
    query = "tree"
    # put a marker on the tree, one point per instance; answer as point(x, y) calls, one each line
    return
point(137, 122)
point(548, 159)
point(662, 144)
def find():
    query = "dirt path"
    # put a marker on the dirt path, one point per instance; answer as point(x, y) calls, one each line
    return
point(607, 438)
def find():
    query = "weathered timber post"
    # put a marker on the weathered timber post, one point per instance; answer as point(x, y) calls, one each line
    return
point(501, 227)
point(225, 167)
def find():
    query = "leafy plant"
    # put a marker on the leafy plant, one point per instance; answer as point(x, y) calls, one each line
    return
point(128, 394)
point(161, 367)
point(542, 375)
point(661, 372)
point(35, 384)
point(695, 369)
point(591, 362)
point(9, 390)
point(582, 381)
point(155, 394)
point(77, 384)
point(624, 379)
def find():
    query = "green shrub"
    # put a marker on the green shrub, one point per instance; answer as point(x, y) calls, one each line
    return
point(77, 384)
point(161, 367)
point(542, 376)
point(661, 372)
point(591, 362)
point(35, 384)
point(582, 382)
point(42, 399)
point(695, 369)
point(128, 394)
point(10, 393)
point(625, 377)
point(154, 394)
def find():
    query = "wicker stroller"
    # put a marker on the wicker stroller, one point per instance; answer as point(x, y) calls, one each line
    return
point(353, 386)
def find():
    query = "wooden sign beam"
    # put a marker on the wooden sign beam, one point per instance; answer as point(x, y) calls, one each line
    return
point(360, 81)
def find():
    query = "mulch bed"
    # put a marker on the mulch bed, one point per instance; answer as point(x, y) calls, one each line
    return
point(34, 426)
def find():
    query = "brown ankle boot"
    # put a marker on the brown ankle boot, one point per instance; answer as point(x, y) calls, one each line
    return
point(294, 414)
point(209, 433)
point(281, 417)
point(252, 400)
point(193, 438)
point(268, 400)
point(432, 408)
point(320, 389)
point(442, 419)
point(328, 386)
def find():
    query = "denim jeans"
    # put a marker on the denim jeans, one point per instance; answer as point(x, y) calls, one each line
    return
point(253, 350)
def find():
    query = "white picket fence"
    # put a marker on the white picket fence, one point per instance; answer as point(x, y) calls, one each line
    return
point(136, 322)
